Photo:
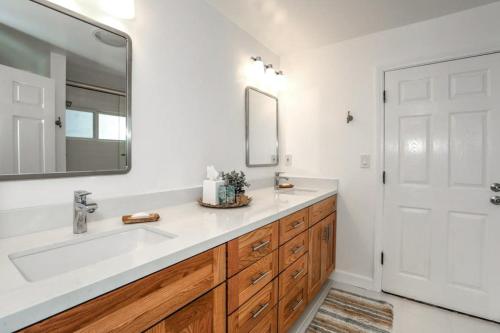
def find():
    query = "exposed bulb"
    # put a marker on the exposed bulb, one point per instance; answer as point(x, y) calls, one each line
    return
point(258, 65)
point(281, 80)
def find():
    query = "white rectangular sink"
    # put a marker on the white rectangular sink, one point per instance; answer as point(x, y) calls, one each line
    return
point(45, 262)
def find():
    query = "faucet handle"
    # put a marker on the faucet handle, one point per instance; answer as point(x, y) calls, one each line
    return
point(81, 196)
point(278, 173)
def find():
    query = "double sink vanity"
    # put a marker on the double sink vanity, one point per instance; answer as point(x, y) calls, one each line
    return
point(252, 269)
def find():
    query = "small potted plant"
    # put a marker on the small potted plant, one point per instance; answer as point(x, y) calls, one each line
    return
point(238, 180)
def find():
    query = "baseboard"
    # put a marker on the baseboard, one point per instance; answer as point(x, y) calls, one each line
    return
point(353, 279)
point(307, 317)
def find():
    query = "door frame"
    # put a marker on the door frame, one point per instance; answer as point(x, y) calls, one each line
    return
point(379, 83)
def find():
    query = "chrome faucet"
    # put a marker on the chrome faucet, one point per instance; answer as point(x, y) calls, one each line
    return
point(80, 211)
point(277, 179)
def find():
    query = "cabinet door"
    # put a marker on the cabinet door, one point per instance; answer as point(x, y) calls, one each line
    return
point(314, 261)
point(205, 315)
point(328, 247)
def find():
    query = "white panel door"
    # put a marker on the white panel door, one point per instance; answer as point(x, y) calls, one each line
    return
point(27, 128)
point(442, 153)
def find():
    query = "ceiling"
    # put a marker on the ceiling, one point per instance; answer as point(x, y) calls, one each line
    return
point(287, 26)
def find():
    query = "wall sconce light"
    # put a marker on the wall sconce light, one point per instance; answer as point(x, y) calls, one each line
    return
point(281, 80)
point(258, 64)
point(270, 70)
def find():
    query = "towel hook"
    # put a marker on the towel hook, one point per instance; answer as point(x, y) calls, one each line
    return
point(349, 117)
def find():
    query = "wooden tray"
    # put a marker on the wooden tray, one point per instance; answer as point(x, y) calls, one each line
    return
point(241, 201)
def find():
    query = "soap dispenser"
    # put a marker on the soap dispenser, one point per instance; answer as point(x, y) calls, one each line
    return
point(211, 186)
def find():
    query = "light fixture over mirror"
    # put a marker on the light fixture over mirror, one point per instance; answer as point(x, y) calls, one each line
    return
point(266, 76)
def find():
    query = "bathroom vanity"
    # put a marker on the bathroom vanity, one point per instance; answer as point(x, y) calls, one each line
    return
point(251, 269)
point(246, 270)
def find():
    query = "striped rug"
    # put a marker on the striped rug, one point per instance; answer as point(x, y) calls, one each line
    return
point(345, 312)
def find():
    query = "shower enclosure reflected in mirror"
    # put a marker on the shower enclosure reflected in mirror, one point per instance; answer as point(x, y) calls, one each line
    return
point(64, 93)
point(262, 145)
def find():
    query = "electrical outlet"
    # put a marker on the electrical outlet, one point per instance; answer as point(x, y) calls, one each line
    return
point(365, 161)
point(288, 160)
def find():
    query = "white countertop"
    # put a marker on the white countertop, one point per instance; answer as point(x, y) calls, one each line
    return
point(197, 229)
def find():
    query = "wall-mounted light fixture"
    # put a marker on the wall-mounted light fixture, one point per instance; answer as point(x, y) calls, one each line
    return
point(270, 72)
point(258, 64)
point(281, 80)
point(266, 74)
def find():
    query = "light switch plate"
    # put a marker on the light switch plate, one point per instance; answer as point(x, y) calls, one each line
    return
point(288, 160)
point(365, 161)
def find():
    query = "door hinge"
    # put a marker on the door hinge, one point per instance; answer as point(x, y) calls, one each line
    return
point(383, 177)
point(384, 96)
point(382, 258)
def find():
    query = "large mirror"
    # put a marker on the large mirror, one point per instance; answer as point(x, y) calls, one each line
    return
point(64, 93)
point(262, 146)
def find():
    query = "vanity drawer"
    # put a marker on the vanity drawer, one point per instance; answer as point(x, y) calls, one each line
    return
point(249, 248)
point(252, 312)
point(322, 209)
point(292, 305)
point(293, 224)
point(291, 275)
point(249, 281)
point(143, 303)
point(293, 250)
point(268, 324)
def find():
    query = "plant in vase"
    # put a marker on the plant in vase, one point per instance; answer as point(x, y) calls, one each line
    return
point(238, 180)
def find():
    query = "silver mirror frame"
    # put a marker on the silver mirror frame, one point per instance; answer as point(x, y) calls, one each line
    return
point(247, 128)
point(87, 20)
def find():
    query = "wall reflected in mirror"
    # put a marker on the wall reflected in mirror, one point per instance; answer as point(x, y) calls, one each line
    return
point(262, 145)
point(64, 94)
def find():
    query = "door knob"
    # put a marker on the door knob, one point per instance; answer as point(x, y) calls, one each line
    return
point(495, 187)
point(495, 200)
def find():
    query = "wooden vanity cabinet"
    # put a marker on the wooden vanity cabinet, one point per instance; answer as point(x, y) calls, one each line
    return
point(322, 241)
point(207, 314)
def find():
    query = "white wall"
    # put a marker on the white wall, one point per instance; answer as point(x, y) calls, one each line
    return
point(189, 79)
point(324, 83)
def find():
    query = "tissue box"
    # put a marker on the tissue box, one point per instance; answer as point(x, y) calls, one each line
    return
point(211, 191)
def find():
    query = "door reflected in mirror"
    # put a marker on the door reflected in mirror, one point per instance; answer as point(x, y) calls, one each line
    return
point(262, 145)
point(64, 94)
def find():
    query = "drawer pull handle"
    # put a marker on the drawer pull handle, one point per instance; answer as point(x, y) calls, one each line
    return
point(297, 249)
point(297, 224)
point(297, 304)
point(260, 277)
point(261, 245)
point(297, 274)
point(261, 309)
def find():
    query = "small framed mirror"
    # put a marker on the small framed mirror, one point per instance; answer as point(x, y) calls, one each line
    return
point(64, 93)
point(262, 141)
